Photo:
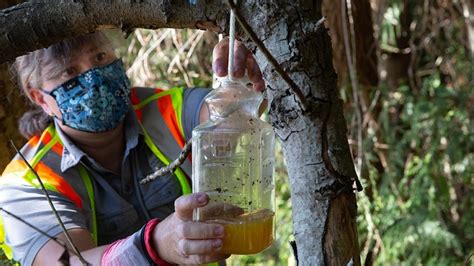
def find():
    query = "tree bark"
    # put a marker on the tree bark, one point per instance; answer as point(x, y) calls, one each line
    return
point(320, 166)
point(314, 142)
point(364, 39)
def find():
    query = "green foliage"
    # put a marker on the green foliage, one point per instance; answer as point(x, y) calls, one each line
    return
point(4, 261)
point(420, 208)
point(417, 207)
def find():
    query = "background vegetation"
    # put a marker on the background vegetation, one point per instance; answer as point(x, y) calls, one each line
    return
point(412, 134)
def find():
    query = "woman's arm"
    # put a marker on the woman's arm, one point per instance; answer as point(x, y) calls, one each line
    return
point(177, 239)
point(50, 253)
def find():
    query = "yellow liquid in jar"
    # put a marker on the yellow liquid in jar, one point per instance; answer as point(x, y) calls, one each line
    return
point(248, 233)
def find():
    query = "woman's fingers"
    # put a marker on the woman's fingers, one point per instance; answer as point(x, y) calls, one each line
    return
point(194, 230)
point(185, 205)
point(243, 61)
point(240, 59)
point(220, 58)
point(254, 73)
point(199, 247)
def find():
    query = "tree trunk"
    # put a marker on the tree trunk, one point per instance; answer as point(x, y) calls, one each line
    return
point(314, 141)
point(315, 146)
point(365, 47)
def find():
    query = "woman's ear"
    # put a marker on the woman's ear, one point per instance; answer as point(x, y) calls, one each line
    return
point(40, 99)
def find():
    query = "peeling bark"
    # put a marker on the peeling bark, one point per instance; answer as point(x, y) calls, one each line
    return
point(37, 24)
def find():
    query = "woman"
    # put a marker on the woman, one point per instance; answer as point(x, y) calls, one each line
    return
point(101, 138)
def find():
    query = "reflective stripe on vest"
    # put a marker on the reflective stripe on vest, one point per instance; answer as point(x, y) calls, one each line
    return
point(172, 116)
point(17, 171)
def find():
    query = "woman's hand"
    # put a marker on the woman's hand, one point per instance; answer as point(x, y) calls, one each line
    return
point(180, 240)
point(243, 60)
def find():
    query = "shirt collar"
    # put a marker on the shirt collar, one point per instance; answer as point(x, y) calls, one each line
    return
point(73, 154)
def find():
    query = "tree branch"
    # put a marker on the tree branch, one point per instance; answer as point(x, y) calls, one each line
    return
point(37, 24)
point(170, 168)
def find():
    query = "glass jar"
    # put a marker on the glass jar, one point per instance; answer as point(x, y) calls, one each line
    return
point(233, 158)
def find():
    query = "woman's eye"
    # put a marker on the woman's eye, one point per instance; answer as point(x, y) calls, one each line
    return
point(100, 57)
point(70, 71)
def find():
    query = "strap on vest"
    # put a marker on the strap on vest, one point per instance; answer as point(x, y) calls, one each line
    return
point(86, 179)
point(170, 104)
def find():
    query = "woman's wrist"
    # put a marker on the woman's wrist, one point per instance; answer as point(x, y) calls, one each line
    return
point(150, 243)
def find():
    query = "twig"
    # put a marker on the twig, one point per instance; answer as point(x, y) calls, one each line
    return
point(296, 90)
point(192, 48)
point(38, 230)
point(43, 188)
point(171, 167)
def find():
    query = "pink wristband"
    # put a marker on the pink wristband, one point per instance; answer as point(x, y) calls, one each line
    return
point(148, 239)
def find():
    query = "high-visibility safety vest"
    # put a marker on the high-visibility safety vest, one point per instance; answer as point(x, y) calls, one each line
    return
point(48, 147)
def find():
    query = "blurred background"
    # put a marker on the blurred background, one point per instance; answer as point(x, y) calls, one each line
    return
point(406, 76)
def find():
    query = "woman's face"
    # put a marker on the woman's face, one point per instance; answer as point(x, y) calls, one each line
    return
point(90, 56)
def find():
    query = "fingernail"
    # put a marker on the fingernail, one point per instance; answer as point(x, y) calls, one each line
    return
point(202, 198)
point(219, 231)
point(217, 244)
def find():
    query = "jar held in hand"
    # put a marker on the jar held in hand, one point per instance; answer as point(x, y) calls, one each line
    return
point(233, 157)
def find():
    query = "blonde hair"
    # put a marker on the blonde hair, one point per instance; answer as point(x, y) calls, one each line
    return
point(34, 68)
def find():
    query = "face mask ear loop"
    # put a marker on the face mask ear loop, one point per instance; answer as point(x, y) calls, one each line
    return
point(50, 93)
point(55, 117)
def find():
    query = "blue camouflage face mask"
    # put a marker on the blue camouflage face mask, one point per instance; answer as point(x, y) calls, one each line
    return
point(96, 100)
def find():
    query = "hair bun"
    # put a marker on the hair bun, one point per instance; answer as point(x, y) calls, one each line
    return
point(33, 122)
